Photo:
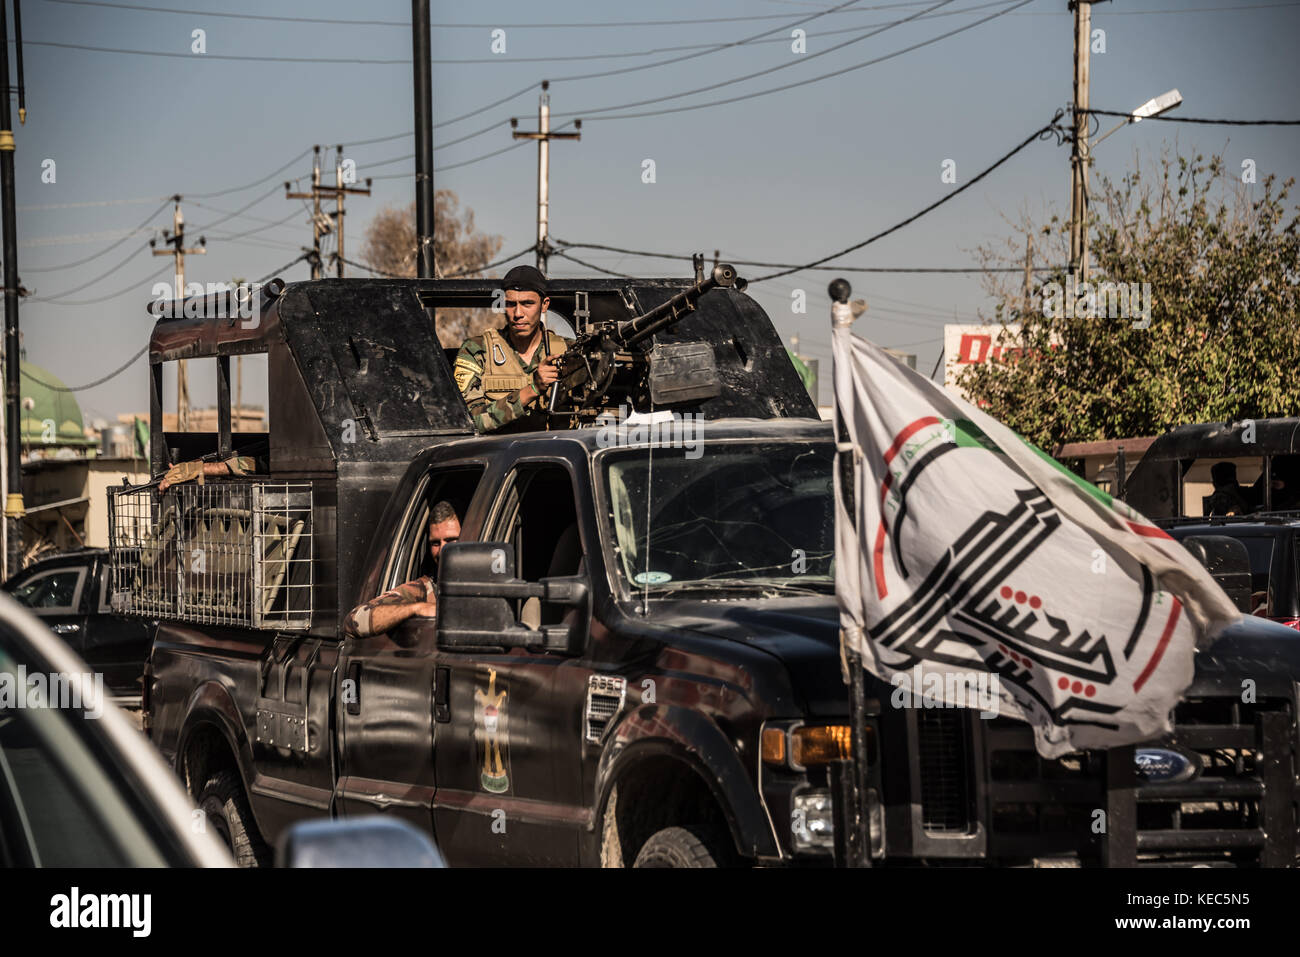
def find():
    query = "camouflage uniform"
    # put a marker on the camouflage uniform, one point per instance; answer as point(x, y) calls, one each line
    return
point(491, 374)
point(357, 624)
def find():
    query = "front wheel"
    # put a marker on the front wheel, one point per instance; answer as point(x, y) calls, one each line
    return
point(225, 806)
point(675, 847)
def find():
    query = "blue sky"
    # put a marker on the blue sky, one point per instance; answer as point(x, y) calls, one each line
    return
point(786, 177)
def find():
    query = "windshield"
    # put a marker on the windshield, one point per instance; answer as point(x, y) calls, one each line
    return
point(747, 515)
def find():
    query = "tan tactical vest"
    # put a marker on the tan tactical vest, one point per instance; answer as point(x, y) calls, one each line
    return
point(503, 372)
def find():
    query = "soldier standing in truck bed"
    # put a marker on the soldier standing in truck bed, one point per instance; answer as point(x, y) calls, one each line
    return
point(506, 374)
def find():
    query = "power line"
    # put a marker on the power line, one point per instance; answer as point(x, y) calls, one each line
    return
point(96, 202)
point(1044, 131)
point(90, 385)
point(215, 56)
point(100, 300)
point(1194, 119)
point(796, 267)
point(581, 262)
point(106, 249)
point(461, 26)
point(772, 69)
point(453, 275)
point(241, 210)
point(256, 182)
point(492, 265)
point(89, 282)
point(293, 262)
point(790, 86)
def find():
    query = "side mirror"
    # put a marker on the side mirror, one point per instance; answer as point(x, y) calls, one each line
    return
point(372, 841)
point(1228, 561)
point(476, 590)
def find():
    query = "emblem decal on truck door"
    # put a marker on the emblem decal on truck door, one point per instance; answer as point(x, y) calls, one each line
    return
point(492, 735)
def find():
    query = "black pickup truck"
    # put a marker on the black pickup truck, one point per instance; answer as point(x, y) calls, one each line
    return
point(636, 655)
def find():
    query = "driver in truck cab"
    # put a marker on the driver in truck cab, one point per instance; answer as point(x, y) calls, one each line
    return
point(506, 374)
point(414, 598)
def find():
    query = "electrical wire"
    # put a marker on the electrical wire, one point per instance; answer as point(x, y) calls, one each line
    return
point(772, 69)
point(90, 282)
point(796, 267)
point(89, 385)
point(204, 228)
point(453, 275)
point(106, 249)
point(461, 26)
point(492, 265)
point(307, 254)
point(256, 182)
point(1050, 129)
point(100, 300)
point(790, 86)
point(582, 262)
point(1195, 119)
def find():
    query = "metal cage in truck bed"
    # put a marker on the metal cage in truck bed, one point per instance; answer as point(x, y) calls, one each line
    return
point(223, 553)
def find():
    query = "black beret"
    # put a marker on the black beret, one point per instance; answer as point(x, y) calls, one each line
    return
point(525, 279)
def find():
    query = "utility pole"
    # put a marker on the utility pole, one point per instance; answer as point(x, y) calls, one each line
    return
point(14, 509)
point(423, 68)
point(319, 222)
point(339, 191)
point(1079, 144)
point(176, 239)
point(544, 137)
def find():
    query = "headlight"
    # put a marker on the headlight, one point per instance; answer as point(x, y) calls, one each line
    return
point(812, 821)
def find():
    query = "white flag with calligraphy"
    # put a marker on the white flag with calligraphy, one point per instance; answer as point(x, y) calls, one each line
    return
point(961, 550)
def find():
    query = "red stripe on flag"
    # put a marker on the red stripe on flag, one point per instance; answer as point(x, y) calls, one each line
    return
point(878, 561)
point(878, 550)
point(1160, 648)
point(907, 433)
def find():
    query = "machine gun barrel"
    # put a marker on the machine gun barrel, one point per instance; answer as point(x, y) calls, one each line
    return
point(632, 331)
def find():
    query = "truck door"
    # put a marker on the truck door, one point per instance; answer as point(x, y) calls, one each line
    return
point(508, 764)
point(387, 682)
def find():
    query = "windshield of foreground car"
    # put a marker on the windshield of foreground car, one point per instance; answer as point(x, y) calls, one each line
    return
point(751, 515)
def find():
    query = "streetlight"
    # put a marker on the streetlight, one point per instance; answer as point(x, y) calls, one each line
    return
point(1152, 107)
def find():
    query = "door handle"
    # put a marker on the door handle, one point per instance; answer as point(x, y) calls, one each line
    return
point(66, 629)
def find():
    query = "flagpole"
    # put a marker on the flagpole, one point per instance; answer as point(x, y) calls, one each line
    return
point(850, 793)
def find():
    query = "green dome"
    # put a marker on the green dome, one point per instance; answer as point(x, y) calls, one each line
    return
point(39, 405)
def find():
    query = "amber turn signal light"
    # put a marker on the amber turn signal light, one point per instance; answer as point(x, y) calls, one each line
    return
point(810, 746)
point(773, 746)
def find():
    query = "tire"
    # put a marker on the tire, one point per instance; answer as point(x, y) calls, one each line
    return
point(675, 847)
point(226, 809)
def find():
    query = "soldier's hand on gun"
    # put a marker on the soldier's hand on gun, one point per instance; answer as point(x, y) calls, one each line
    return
point(548, 370)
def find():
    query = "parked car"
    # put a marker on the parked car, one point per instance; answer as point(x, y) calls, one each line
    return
point(72, 594)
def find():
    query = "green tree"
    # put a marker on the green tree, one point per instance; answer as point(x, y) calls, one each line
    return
point(458, 250)
point(1223, 342)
